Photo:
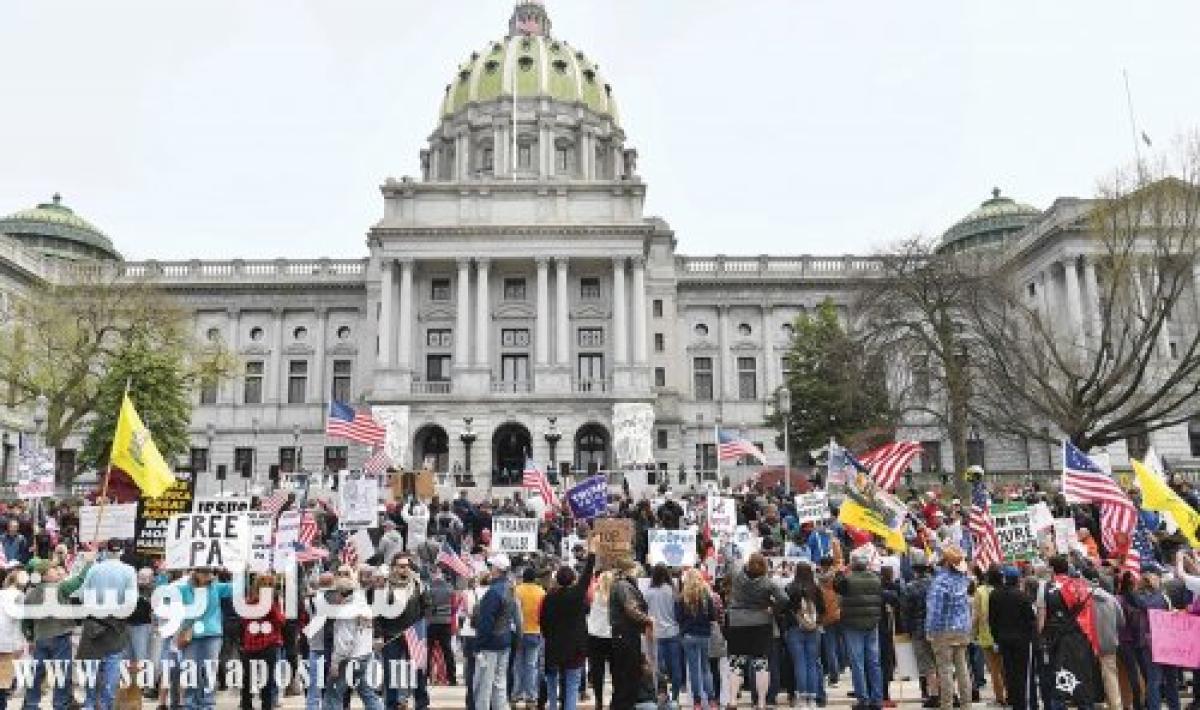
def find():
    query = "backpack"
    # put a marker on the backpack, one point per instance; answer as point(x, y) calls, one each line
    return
point(806, 615)
point(833, 606)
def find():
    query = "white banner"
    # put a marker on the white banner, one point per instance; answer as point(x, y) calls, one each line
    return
point(215, 504)
point(722, 514)
point(35, 474)
point(675, 548)
point(215, 540)
point(358, 502)
point(261, 528)
point(1064, 535)
point(118, 522)
point(812, 507)
point(514, 535)
point(287, 533)
point(745, 543)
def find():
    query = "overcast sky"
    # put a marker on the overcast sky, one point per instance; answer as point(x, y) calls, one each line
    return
point(222, 128)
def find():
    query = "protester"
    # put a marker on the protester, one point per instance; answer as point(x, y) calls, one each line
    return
point(12, 643)
point(348, 640)
point(948, 626)
point(563, 620)
point(628, 617)
point(497, 618)
point(660, 601)
point(861, 598)
point(1012, 620)
point(749, 632)
point(50, 634)
point(528, 659)
point(599, 641)
point(104, 638)
point(262, 643)
point(806, 605)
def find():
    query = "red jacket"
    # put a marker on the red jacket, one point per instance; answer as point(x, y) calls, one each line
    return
point(264, 633)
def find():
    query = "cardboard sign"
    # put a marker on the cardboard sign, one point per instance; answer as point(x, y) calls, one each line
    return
point(1173, 638)
point(675, 548)
point(1064, 535)
point(155, 513)
point(215, 540)
point(261, 528)
point(722, 514)
point(589, 498)
point(358, 502)
point(287, 534)
point(514, 535)
point(425, 488)
point(119, 522)
point(1015, 531)
point(214, 504)
point(612, 539)
point(35, 474)
point(812, 507)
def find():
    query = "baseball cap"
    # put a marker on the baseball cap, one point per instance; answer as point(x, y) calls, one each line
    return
point(500, 562)
point(1010, 571)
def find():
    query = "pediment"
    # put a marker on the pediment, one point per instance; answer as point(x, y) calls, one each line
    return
point(592, 311)
point(256, 349)
point(343, 349)
point(744, 345)
point(437, 311)
point(702, 346)
point(514, 309)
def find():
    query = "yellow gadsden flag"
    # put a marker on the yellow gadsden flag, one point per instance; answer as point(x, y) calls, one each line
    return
point(863, 517)
point(1157, 495)
point(134, 452)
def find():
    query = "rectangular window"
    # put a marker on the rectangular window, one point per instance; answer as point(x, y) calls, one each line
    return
point(297, 381)
point(198, 460)
point(591, 337)
point(1174, 350)
point(1138, 444)
point(514, 368)
point(208, 390)
point(439, 289)
point(243, 462)
point(702, 378)
point(342, 378)
point(931, 456)
point(252, 391)
point(747, 378)
point(660, 377)
point(920, 384)
point(1032, 289)
point(64, 464)
point(656, 308)
point(706, 457)
point(336, 458)
point(660, 342)
point(524, 156)
point(784, 366)
point(287, 459)
point(561, 160)
point(975, 452)
point(439, 338)
point(437, 368)
point(514, 338)
point(662, 438)
point(1194, 435)
point(514, 289)
point(488, 160)
point(591, 367)
point(589, 289)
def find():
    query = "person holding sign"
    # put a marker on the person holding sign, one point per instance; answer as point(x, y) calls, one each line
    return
point(200, 637)
point(564, 625)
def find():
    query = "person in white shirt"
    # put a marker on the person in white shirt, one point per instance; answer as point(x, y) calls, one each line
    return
point(350, 646)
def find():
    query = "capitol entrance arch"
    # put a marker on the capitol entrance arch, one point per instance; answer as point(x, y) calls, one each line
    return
point(432, 446)
point(511, 445)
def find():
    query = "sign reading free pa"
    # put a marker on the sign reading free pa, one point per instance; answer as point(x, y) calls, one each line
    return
point(213, 540)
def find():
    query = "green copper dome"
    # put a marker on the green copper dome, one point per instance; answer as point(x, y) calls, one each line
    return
point(55, 230)
point(990, 223)
point(540, 65)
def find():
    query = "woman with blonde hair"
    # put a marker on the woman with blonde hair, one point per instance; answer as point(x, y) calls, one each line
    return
point(12, 641)
point(695, 612)
point(599, 628)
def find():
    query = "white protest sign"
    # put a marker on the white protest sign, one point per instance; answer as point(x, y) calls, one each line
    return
point(358, 502)
point(812, 507)
point(745, 543)
point(568, 545)
point(1064, 535)
point(216, 540)
point(213, 504)
point(260, 526)
point(117, 523)
point(35, 474)
point(1040, 517)
point(287, 534)
point(1014, 531)
point(722, 514)
point(514, 535)
point(675, 548)
point(361, 541)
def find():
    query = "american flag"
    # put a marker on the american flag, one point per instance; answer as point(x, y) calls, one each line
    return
point(345, 422)
point(378, 462)
point(730, 446)
point(305, 537)
point(1132, 563)
point(889, 462)
point(1085, 482)
point(842, 465)
point(983, 528)
point(275, 502)
point(418, 650)
point(453, 562)
point(535, 478)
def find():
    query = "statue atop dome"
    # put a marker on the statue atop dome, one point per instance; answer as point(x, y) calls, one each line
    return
point(529, 19)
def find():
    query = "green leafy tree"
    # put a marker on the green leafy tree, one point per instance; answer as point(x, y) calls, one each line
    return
point(837, 390)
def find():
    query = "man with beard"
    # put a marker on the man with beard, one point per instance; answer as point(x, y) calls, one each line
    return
point(404, 604)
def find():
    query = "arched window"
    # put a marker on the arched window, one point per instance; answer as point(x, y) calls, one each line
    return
point(591, 448)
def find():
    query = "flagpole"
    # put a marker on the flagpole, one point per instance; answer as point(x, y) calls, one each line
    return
point(717, 451)
point(108, 469)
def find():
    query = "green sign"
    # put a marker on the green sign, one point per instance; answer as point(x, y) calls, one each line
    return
point(1015, 531)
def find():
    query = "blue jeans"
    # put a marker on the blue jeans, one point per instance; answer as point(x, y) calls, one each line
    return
point(700, 682)
point(57, 650)
point(805, 647)
point(139, 644)
point(571, 697)
point(1159, 679)
point(352, 675)
point(316, 680)
point(202, 652)
point(391, 652)
point(526, 676)
point(103, 692)
point(468, 648)
point(490, 683)
point(833, 650)
point(670, 662)
point(864, 665)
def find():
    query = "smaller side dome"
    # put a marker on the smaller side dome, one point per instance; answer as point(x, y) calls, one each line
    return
point(990, 224)
point(53, 229)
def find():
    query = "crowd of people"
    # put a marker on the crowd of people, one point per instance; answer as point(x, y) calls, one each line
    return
point(814, 605)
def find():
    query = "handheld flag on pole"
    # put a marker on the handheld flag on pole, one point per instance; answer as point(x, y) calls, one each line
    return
point(134, 452)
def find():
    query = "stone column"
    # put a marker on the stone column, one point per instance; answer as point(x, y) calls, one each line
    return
point(562, 312)
point(770, 365)
point(235, 342)
point(387, 305)
point(1091, 303)
point(278, 379)
point(435, 163)
point(1164, 333)
point(587, 155)
point(620, 329)
point(318, 379)
point(542, 346)
point(483, 316)
point(462, 339)
point(407, 312)
point(721, 366)
point(544, 154)
point(640, 354)
point(1071, 278)
point(497, 150)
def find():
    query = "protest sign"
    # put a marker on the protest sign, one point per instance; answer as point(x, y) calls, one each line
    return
point(287, 534)
point(722, 514)
point(612, 540)
point(358, 502)
point(745, 543)
point(35, 474)
point(260, 526)
point(589, 498)
point(424, 486)
point(567, 547)
point(1064, 535)
point(154, 513)
point(1173, 639)
point(215, 540)
point(119, 522)
point(213, 504)
point(361, 541)
point(1014, 531)
point(812, 507)
point(675, 548)
point(1040, 517)
point(514, 535)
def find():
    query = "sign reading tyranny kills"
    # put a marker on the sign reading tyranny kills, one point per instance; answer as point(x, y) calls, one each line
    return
point(1015, 531)
point(514, 535)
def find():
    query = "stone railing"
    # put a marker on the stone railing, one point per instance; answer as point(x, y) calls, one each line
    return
point(782, 267)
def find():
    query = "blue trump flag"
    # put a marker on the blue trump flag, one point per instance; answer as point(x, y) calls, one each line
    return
point(589, 498)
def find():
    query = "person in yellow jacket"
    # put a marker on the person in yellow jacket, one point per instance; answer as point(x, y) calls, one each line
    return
point(527, 669)
point(983, 632)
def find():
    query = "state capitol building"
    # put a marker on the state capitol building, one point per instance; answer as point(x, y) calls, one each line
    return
point(514, 298)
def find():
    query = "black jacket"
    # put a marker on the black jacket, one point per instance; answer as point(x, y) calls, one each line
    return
point(1011, 616)
point(862, 600)
point(564, 621)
